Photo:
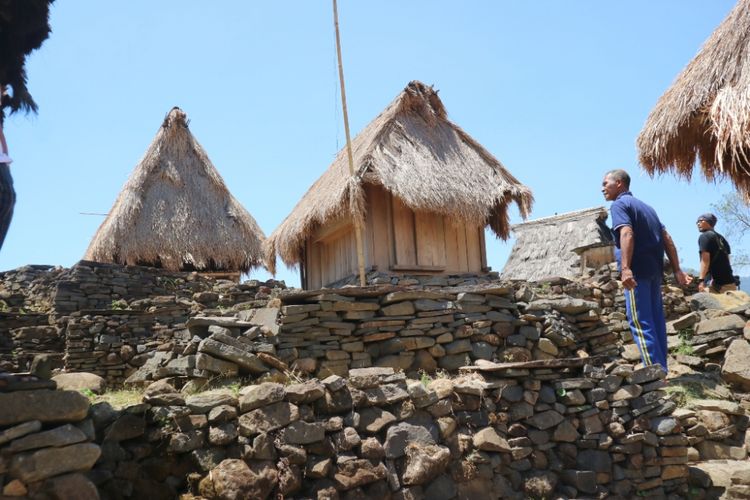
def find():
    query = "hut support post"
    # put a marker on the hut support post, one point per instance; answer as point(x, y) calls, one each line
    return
point(357, 222)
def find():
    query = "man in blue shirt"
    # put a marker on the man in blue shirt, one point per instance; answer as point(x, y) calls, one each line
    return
point(642, 241)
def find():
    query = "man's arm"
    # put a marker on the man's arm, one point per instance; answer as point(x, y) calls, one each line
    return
point(627, 245)
point(671, 249)
point(705, 262)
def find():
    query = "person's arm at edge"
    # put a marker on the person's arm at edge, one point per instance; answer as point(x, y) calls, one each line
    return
point(671, 250)
point(627, 245)
point(705, 261)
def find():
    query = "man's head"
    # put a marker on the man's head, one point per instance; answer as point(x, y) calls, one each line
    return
point(615, 183)
point(706, 221)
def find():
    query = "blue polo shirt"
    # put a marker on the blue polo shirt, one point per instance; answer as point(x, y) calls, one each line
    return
point(648, 253)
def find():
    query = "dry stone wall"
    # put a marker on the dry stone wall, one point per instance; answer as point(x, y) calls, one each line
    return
point(46, 440)
point(585, 431)
point(102, 316)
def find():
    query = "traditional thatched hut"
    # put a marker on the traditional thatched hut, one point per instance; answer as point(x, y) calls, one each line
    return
point(423, 189)
point(705, 115)
point(176, 212)
point(561, 246)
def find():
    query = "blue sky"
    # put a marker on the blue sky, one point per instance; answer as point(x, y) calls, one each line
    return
point(558, 91)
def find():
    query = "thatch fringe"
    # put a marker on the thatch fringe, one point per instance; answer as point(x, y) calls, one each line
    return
point(418, 155)
point(705, 115)
point(176, 212)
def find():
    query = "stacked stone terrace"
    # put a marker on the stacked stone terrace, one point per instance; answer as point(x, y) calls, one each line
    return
point(521, 388)
point(595, 431)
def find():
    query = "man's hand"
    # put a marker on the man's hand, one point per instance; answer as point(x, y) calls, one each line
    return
point(702, 287)
point(682, 278)
point(628, 281)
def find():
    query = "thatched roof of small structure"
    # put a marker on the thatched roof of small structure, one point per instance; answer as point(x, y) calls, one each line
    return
point(551, 247)
point(705, 115)
point(176, 212)
point(418, 155)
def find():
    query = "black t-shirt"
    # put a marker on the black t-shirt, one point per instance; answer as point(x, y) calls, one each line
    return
point(719, 267)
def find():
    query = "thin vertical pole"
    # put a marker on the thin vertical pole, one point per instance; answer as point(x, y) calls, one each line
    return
point(357, 225)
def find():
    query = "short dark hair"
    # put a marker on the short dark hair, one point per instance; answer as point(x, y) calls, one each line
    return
point(619, 175)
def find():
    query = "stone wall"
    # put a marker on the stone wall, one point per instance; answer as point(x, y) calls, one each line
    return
point(328, 333)
point(46, 440)
point(523, 433)
point(101, 316)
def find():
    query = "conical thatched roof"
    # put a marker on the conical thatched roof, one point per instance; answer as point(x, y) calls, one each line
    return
point(551, 247)
point(175, 210)
point(418, 155)
point(705, 115)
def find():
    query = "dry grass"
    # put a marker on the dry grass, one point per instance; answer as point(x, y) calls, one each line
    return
point(705, 115)
point(419, 156)
point(175, 210)
point(118, 398)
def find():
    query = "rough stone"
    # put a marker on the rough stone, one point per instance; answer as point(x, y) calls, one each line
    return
point(305, 392)
point(424, 463)
point(374, 419)
point(41, 464)
point(399, 435)
point(43, 405)
point(268, 418)
point(545, 420)
point(736, 369)
point(236, 480)
point(261, 395)
point(489, 440)
point(358, 472)
point(80, 381)
point(203, 403)
point(246, 361)
point(299, 432)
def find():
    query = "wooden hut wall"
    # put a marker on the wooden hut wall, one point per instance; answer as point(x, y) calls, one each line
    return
point(402, 240)
point(396, 239)
point(331, 254)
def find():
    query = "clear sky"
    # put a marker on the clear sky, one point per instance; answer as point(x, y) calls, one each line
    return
point(557, 91)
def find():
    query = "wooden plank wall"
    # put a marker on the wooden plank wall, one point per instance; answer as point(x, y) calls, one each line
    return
point(430, 242)
point(403, 234)
point(396, 236)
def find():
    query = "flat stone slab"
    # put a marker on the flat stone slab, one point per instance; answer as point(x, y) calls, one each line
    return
point(44, 405)
point(416, 295)
point(566, 305)
point(721, 405)
point(718, 473)
point(245, 360)
point(268, 418)
point(59, 436)
point(720, 323)
point(79, 381)
point(20, 430)
point(48, 462)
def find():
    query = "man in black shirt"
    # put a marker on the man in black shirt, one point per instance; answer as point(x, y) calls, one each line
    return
point(714, 252)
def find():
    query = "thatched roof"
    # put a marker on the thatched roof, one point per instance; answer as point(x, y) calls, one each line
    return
point(550, 247)
point(418, 155)
point(175, 210)
point(705, 115)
